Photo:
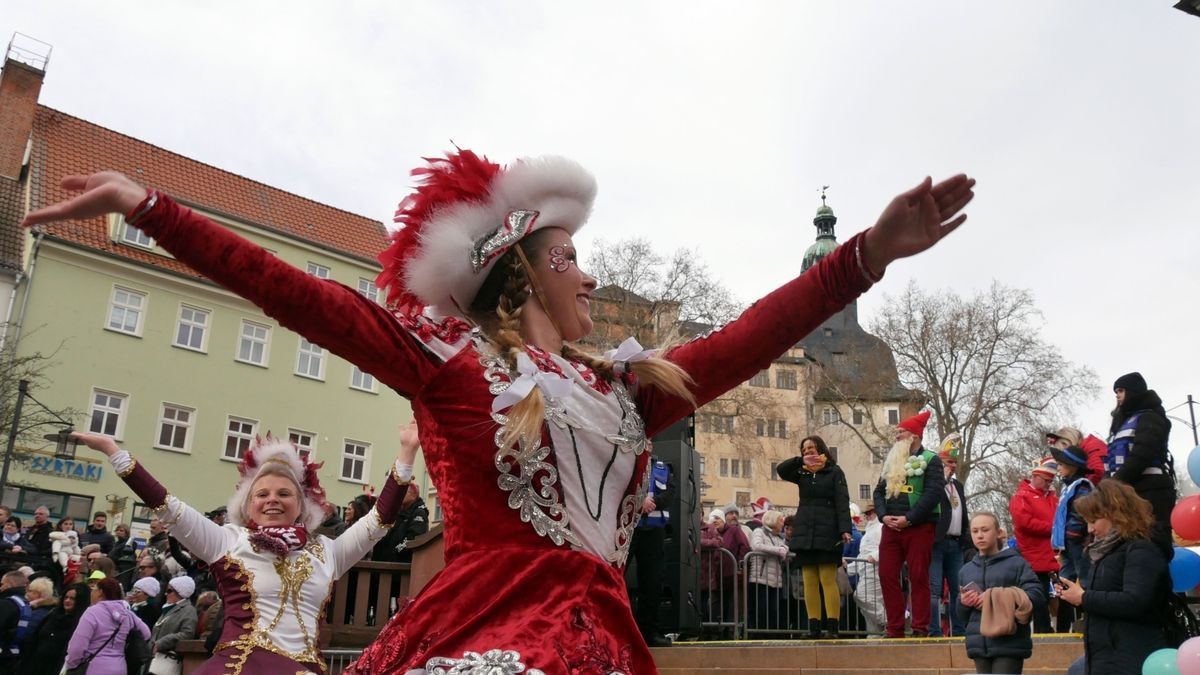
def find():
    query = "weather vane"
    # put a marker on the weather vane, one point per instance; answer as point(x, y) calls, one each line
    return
point(823, 189)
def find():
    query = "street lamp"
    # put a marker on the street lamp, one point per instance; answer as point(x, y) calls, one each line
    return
point(1190, 404)
point(64, 445)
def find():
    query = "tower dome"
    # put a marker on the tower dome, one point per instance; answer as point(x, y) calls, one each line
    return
point(826, 238)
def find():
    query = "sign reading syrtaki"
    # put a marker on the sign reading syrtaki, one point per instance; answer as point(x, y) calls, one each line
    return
point(76, 469)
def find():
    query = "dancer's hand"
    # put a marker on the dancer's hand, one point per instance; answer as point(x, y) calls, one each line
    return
point(409, 444)
point(918, 219)
point(101, 193)
point(97, 442)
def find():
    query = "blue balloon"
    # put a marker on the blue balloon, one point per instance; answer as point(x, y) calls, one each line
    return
point(1161, 662)
point(1185, 570)
point(1194, 464)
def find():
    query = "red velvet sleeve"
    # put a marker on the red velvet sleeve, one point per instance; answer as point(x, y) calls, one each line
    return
point(767, 329)
point(325, 312)
point(145, 486)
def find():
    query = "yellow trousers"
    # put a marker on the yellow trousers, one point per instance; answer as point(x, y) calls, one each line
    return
point(818, 579)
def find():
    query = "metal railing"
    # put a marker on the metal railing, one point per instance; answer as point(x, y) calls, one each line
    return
point(779, 611)
point(338, 660)
point(720, 594)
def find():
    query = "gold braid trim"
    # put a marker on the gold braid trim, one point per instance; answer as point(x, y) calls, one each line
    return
point(128, 472)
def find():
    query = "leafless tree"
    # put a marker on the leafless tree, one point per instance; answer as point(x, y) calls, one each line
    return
point(988, 374)
point(35, 422)
point(682, 283)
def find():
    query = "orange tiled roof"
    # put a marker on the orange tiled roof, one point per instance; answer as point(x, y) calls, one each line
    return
point(64, 145)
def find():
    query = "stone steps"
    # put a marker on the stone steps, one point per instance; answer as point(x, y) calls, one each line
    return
point(936, 656)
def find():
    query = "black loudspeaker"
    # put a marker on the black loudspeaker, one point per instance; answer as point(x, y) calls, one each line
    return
point(679, 607)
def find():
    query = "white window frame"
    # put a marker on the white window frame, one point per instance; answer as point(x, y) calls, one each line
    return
point(746, 473)
point(306, 352)
point(140, 239)
point(364, 459)
point(858, 417)
point(830, 415)
point(120, 412)
point(204, 328)
point(368, 289)
point(865, 491)
point(761, 379)
point(893, 413)
point(317, 270)
point(140, 322)
point(724, 472)
point(296, 436)
point(366, 381)
point(239, 435)
point(189, 427)
point(266, 343)
point(435, 506)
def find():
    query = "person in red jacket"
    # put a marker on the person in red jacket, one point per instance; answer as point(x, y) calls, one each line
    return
point(1032, 509)
point(1094, 446)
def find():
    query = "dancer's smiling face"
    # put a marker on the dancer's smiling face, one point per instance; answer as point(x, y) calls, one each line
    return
point(274, 501)
point(567, 288)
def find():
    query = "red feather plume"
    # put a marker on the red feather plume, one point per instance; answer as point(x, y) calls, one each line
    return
point(462, 176)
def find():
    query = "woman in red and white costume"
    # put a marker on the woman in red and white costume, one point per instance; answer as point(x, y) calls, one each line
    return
point(537, 448)
point(273, 576)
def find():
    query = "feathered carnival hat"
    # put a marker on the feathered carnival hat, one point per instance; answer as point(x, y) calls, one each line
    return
point(950, 446)
point(466, 212)
point(285, 455)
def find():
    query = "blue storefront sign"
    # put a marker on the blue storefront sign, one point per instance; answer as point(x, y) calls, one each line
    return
point(75, 469)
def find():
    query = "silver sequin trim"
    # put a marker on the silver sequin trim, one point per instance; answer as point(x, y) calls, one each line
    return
point(515, 227)
point(520, 468)
point(491, 662)
point(628, 516)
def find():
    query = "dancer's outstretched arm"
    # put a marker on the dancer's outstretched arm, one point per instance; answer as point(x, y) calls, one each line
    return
point(913, 222)
point(324, 312)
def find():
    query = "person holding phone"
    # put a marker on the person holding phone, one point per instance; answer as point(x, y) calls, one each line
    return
point(992, 587)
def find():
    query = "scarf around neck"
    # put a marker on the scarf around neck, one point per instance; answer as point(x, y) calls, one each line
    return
point(279, 540)
point(815, 463)
point(1104, 545)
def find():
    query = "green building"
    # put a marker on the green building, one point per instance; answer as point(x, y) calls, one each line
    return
point(179, 371)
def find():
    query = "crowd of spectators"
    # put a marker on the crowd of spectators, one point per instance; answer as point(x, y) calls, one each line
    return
point(70, 596)
point(1089, 551)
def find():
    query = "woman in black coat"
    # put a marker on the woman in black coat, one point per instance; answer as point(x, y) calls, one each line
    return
point(819, 529)
point(1128, 584)
point(48, 649)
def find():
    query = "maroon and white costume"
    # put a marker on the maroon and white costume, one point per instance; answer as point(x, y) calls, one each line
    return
point(274, 588)
point(535, 536)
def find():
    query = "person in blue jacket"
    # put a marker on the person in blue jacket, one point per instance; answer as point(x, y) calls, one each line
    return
point(994, 568)
point(647, 550)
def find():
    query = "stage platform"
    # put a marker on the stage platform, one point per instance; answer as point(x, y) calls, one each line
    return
point(915, 656)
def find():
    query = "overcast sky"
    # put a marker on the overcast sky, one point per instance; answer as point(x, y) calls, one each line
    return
point(711, 125)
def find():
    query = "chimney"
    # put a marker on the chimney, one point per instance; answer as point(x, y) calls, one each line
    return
point(20, 84)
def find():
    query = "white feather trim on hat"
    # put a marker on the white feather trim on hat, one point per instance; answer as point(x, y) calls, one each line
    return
point(441, 274)
point(282, 452)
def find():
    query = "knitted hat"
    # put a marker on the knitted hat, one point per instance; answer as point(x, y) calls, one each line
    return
point(715, 514)
point(465, 214)
point(1133, 383)
point(732, 508)
point(1072, 456)
point(148, 585)
point(1047, 466)
point(183, 585)
point(284, 455)
point(1071, 434)
point(916, 423)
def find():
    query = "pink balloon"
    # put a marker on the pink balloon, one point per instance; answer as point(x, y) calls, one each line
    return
point(1188, 658)
point(1185, 519)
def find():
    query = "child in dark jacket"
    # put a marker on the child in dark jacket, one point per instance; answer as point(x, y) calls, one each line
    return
point(995, 568)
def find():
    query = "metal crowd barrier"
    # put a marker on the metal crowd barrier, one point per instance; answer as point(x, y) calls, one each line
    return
point(338, 660)
point(780, 611)
point(720, 606)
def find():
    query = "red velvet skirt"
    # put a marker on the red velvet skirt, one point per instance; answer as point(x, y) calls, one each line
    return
point(550, 610)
